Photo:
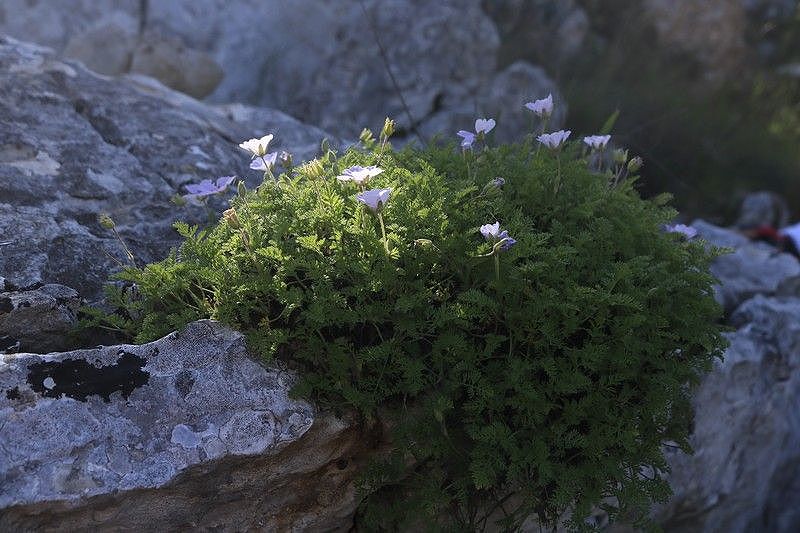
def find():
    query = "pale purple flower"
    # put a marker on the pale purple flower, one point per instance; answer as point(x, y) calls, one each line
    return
point(490, 231)
point(687, 231)
point(542, 108)
point(265, 162)
point(597, 142)
point(468, 138)
point(375, 199)
point(554, 140)
point(359, 175)
point(497, 182)
point(207, 187)
point(484, 125)
point(257, 147)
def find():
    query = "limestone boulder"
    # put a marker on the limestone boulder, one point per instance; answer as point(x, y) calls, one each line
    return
point(187, 432)
point(74, 144)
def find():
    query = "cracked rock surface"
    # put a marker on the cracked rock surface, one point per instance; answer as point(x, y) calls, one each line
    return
point(183, 431)
point(74, 144)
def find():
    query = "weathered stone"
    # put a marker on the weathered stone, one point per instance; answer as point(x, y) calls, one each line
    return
point(107, 46)
point(763, 209)
point(74, 144)
point(187, 432)
point(37, 319)
point(546, 31)
point(743, 474)
point(751, 268)
point(172, 63)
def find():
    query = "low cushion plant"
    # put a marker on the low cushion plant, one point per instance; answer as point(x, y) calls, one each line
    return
point(516, 314)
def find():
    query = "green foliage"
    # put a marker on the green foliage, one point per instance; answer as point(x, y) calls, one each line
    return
point(547, 389)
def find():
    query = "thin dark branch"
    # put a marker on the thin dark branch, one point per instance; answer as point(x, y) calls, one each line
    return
point(385, 58)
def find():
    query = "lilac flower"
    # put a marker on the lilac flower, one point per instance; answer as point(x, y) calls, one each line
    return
point(687, 231)
point(468, 138)
point(597, 142)
point(359, 175)
point(491, 232)
point(554, 140)
point(265, 162)
point(375, 199)
point(497, 182)
point(207, 187)
point(484, 125)
point(257, 147)
point(542, 108)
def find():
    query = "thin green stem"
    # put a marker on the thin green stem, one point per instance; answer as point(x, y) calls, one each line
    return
point(383, 232)
point(497, 267)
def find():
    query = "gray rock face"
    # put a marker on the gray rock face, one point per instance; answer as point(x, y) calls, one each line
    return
point(185, 432)
point(37, 319)
point(330, 63)
point(751, 269)
point(74, 144)
point(763, 209)
point(743, 475)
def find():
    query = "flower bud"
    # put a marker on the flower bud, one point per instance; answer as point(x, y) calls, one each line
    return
point(314, 169)
point(620, 156)
point(366, 137)
point(286, 159)
point(241, 189)
point(231, 218)
point(635, 164)
point(106, 221)
point(388, 128)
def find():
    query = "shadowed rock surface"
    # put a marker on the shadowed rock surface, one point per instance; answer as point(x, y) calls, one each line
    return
point(184, 432)
point(74, 144)
point(37, 319)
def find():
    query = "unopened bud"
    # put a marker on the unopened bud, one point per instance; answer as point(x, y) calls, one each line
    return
point(388, 128)
point(286, 159)
point(635, 164)
point(366, 137)
point(231, 218)
point(241, 188)
point(106, 221)
point(314, 169)
point(620, 156)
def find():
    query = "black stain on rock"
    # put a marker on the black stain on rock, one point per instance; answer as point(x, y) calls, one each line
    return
point(184, 382)
point(5, 305)
point(13, 394)
point(79, 379)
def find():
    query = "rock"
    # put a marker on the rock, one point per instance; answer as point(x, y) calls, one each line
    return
point(37, 319)
point(328, 63)
point(186, 432)
point(743, 474)
point(176, 66)
point(751, 268)
point(107, 46)
point(74, 144)
point(421, 40)
point(763, 209)
point(507, 95)
point(542, 30)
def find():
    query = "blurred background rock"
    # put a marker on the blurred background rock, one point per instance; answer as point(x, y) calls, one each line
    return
point(708, 90)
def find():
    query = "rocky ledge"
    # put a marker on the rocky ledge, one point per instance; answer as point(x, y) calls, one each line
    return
point(182, 432)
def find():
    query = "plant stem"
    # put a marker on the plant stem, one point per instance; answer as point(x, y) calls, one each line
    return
point(497, 267)
point(383, 232)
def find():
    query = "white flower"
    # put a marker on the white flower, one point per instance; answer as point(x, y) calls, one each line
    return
point(359, 175)
point(542, 108)
point(484, 125)
point(597, 142)
point(554, 140)
point(375, 199)
point(257, 147)
point(682, 229)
